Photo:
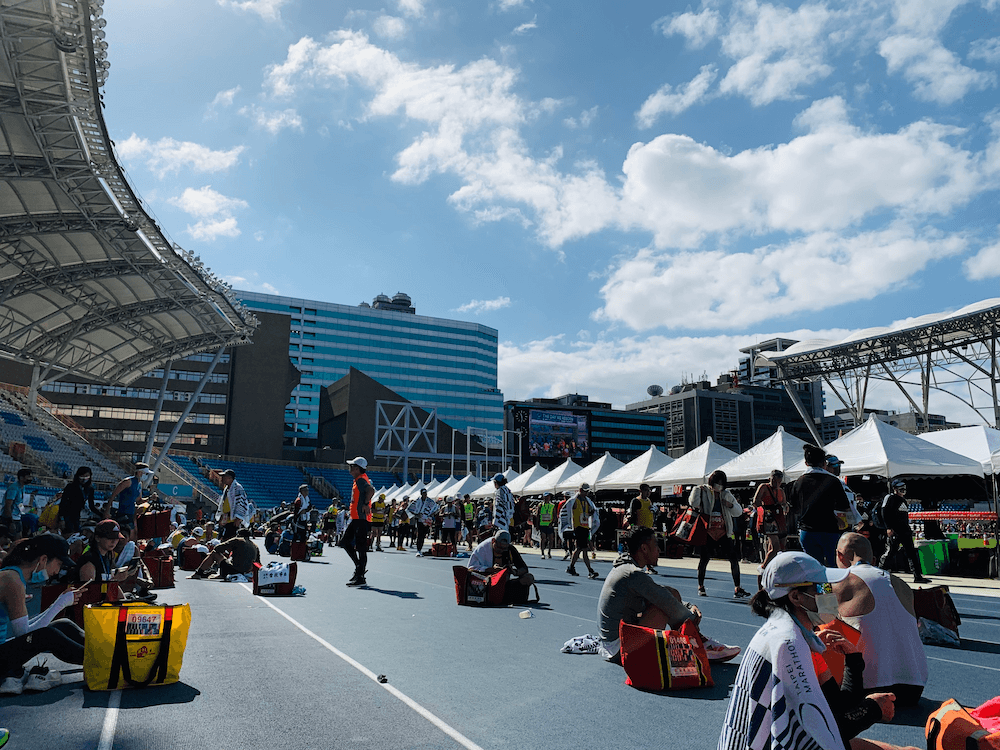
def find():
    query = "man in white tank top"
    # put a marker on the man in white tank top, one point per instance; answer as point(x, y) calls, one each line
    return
point(880, 605)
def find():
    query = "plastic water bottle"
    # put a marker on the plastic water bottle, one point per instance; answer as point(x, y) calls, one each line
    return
point(621, 548)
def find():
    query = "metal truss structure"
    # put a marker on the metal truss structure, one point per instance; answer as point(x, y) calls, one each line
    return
point(952, 353)
point(89, 284)
point(404, 431)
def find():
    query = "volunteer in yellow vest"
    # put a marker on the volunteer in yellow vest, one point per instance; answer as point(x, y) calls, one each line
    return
point(583, 508)
point(640, 513)
point(378, 523)
point(469, 519)
point(355, 540)
point(546, 523)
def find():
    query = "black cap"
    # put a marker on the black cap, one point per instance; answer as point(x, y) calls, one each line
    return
point(52, 546)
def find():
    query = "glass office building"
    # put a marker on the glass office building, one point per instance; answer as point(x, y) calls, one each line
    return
point(441, 364)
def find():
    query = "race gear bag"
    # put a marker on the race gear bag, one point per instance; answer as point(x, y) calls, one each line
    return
point(471, 588)
point(935, 604)
point(191, 558)
point(691, 528)
point(442, 549)
point(134, 645)
point(952, 727)
point(153, 524)
point(275, 579)
point(664, 659)
point(299, 551)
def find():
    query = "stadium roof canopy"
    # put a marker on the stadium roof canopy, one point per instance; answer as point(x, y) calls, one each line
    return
point(954, 353)
point(89, 284)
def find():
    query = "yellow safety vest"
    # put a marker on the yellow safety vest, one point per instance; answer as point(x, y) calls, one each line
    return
point(470, 510)
point(378, 511)
point(545, 513)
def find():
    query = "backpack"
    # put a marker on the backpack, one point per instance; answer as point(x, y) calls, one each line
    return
point(878, 520)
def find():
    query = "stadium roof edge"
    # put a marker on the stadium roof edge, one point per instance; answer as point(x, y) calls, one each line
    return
point(89, 283)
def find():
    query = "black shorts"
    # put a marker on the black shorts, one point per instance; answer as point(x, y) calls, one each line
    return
point(377, 525)
point(546, 530)
point(582, 535)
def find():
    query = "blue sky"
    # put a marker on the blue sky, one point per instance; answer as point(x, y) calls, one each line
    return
point(628, 191)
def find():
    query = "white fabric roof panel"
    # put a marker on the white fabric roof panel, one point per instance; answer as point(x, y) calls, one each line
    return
point(694, 466)
point(517, 484)
point(636, 471)
point(592, 474)
point(467, 484)
point(979, 443)
point(779, 451)
point(488, 490)
point(548, 482)
point(90, 284)
point(886, 451)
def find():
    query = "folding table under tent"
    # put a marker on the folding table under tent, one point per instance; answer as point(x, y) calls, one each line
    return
point(637, 471)
point(883, 450)
point(549, 482)
point(779, 451)
point(694, 466)
point(591, 474)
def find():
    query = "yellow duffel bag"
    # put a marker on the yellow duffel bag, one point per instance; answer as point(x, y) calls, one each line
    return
point(133, 644)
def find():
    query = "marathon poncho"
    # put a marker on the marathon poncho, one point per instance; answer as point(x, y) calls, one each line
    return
point(777, 702)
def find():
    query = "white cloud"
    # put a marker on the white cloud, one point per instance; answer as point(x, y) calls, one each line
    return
point(411, 8)
point(210, 230)
point(666, 101)
point(269, 10)
point(389, 27)
point(583, 121)
point(215, 211)
point(935, 72)
point(511, 4)
point(205, 202)
point(713, 289)
point(168, 155)
point(251, 283)
point(697, 28)
point(524, 28)
point(273, 122)
point(478, 306)
point(987, 50)
point(223, 99)
point(985, 264)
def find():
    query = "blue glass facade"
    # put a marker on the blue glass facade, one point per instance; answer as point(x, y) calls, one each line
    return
point(447, 365)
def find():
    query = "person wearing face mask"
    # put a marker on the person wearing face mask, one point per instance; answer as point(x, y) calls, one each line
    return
point(78, 494)
point(35, 560)
point(719, 507)
point(800, 710)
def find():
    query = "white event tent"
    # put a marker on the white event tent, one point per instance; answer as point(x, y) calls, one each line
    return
point(636, 471)
point(442, 488)
point(779, 451)
point(591, 474)
point(694, 466)
point(467, 484)
point(548, 482)
point(517, 484)
point(886, 451)
point(488, 490)
point(433, 486)
point(980, 443)
point(397, 493)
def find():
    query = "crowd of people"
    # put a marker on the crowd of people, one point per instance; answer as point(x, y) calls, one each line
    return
point(836, 582)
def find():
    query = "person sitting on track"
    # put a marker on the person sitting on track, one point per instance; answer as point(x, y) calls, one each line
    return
point(233, 556)
point(495, 554)
point(631, 595)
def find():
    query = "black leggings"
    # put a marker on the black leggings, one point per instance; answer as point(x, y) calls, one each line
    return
point(421, 535)
point(63, 639)
point(723, 547)
point(355, 543)
point(902, 535)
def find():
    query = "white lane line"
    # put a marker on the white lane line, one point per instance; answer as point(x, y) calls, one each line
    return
point(110, 721)
point(460, 738)
point(965, 664)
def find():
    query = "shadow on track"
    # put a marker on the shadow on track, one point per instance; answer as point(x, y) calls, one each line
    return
point(390, 592)
point(983, 647)
point(916, 716)
point(966, 616)
point(723, 675)
point(161, 695)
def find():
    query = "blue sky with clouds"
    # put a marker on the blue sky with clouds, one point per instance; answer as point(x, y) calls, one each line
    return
point(628, 191)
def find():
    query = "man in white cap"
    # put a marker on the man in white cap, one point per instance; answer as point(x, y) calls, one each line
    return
point(355, 538)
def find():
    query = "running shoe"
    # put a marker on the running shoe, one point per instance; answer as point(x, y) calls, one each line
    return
point(593, 574)
point(719, 651)
point(740, 594)
point(572, 571)
point(357, 582)
point(920, 579)
point(4, 736)
point(14, 684)
point(41, 679)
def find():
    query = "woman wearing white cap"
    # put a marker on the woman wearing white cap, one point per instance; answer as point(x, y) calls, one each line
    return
point(778, 701)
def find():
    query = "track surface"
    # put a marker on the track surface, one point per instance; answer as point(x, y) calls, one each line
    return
point(456, 676)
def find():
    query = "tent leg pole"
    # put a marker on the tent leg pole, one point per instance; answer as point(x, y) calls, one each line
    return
point(801, 409)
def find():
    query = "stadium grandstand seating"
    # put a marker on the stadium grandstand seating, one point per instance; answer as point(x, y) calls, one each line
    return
point(54, 450)
point(267, 485)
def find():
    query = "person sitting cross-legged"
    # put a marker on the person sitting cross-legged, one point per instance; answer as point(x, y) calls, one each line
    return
point(631, 595)
point(495, 554)
point(234, 556)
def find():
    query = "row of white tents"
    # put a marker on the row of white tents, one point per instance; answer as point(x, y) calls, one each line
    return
point(874, 448)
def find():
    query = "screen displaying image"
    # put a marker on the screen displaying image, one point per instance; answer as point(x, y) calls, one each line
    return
point(557, 434)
